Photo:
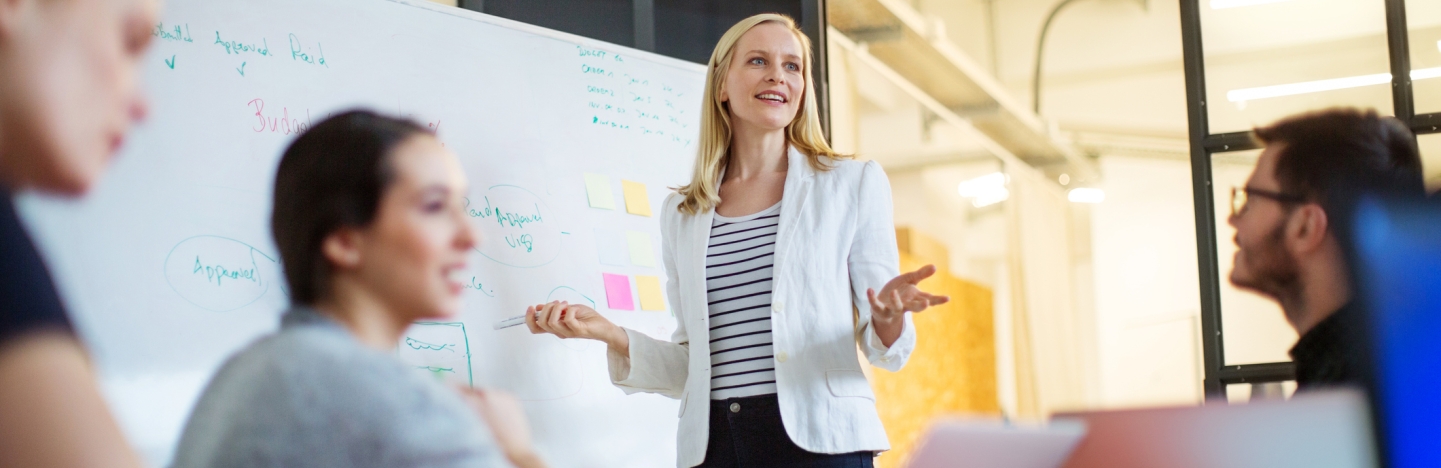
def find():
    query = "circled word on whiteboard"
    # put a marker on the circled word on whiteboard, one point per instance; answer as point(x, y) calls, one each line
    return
point(517, 227)
point(219, 273)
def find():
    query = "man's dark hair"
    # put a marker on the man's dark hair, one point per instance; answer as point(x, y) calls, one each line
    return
point(332, 176)
point(1334, 156)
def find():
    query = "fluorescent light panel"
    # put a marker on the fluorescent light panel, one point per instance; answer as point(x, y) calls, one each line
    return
point(982, 185)
point(985, 190)
point(991, 198)
point(1224, 4)
point(1264, 92)
point(1425, 73)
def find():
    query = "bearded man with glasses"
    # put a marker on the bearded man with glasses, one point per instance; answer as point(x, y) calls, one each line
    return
point(1314, 166)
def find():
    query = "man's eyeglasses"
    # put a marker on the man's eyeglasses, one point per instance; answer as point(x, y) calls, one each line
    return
point(1241, 195)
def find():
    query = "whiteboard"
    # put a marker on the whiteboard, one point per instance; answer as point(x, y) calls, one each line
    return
point(168, 266)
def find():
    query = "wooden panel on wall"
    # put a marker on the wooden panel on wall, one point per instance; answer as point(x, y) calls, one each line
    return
point(953, 369)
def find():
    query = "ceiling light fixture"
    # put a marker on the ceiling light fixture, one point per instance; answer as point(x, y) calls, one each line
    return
point(1224, 4)
point(1086, 195)
point(991, 198)
point(985, 190)
point(1264, 92)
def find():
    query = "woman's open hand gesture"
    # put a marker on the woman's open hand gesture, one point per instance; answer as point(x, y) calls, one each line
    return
point(901, 295)
point(898, 296)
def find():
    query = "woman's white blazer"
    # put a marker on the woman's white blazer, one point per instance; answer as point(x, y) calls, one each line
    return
point(836, 239)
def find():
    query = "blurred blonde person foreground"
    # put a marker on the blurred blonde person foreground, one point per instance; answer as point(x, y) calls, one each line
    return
point(68, 94)
point(781, 259)
point(370, 222)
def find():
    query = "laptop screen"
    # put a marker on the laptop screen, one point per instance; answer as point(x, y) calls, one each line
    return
point(1398, 248)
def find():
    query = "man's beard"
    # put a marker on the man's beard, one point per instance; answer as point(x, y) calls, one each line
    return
point(1274, 271)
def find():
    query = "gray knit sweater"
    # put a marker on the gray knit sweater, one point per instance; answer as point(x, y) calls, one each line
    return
point(314, 396)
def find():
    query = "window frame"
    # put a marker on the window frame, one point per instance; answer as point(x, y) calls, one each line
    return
point(1203, 145)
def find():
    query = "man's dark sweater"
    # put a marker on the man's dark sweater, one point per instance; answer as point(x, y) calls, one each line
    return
point(1328, 354)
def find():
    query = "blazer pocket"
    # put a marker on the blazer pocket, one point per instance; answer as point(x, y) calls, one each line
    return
point(849, 383)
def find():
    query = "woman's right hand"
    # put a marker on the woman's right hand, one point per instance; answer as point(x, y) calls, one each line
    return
point(503, 414)
point(574, 321)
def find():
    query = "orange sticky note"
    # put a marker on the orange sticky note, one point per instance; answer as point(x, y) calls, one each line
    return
point(648, 288)
point(636, 201)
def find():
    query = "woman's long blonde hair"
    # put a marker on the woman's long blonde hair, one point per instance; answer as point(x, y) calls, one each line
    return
point(803, 133)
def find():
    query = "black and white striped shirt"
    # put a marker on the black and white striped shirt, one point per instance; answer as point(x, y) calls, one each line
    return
point(739, 259)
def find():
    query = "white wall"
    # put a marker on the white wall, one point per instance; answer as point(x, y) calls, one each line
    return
point(1146, 283)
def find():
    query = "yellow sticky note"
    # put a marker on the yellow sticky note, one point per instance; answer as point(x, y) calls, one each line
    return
point(640, 250)
point(597, 189)
point(649, 289)
point(636, 201)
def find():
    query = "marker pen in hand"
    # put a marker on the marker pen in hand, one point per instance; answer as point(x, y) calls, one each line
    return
point(510, 322)
point(516, 321)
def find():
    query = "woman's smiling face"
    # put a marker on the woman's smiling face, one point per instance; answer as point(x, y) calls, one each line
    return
point(414, 253)
point(765, 84)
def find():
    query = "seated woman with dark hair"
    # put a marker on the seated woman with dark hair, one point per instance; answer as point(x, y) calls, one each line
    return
point(369, 219)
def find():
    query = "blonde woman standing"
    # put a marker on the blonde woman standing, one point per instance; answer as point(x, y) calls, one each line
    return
point(781, 260)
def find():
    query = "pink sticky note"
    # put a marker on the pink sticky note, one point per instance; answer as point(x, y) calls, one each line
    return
point(617, 292)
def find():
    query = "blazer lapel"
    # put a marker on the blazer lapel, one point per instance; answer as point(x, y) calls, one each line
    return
point(696, 234)
point(799, 176)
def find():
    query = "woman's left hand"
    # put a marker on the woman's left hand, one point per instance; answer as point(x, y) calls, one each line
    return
point(902, 295)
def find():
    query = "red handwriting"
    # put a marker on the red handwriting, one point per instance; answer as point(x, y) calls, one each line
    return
point(283, 124)
point(434, 126)
point(286, 125)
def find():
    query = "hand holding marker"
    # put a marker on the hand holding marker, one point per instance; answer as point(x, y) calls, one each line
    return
point(532, 310)
point(567, 320)
point(520, 319)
